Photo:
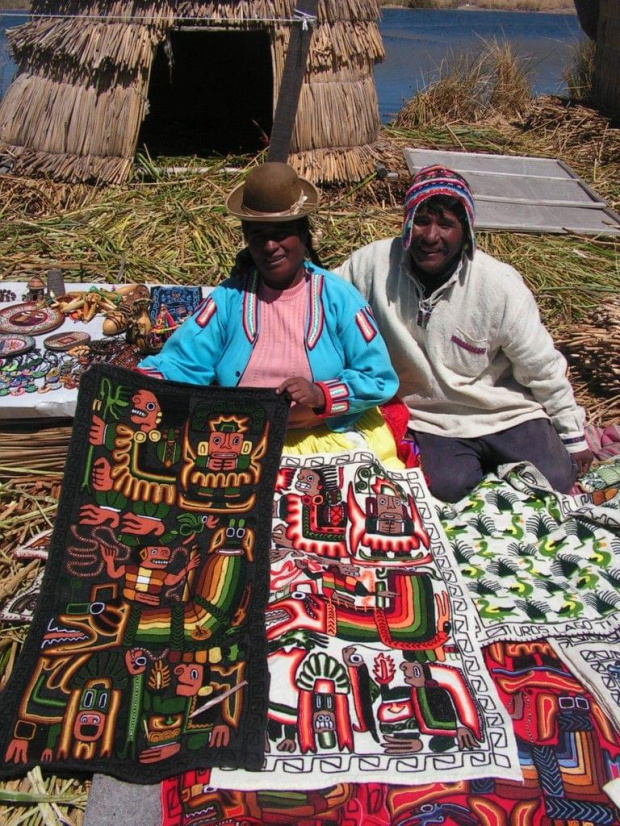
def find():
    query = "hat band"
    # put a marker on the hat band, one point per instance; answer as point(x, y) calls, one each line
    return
point(294, 209)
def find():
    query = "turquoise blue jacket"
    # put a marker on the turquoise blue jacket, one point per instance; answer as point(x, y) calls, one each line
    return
point(347, 355)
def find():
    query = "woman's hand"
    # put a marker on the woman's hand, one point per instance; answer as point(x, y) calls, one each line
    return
point(303, 392)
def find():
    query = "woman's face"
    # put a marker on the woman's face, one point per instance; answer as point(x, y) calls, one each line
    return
point(278, 250)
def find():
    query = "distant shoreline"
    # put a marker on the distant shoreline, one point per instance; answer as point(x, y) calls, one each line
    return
point(438, 5)
point(446, 5)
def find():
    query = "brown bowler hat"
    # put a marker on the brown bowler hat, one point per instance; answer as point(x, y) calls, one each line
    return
point(273, 192)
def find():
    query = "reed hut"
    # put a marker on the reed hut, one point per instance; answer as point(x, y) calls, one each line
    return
point(600, 19)
point(99, 79)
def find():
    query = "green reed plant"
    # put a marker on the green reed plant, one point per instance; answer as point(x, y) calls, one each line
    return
point(578, 74)
point(471, 87)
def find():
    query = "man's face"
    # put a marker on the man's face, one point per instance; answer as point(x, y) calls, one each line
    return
point(436, 240)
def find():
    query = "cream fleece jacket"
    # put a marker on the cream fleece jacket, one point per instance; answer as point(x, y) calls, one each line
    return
point(473, 358)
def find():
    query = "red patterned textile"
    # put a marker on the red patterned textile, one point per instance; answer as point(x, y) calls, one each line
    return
point(568, 750)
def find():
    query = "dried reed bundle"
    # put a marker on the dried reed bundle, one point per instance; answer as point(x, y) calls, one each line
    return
point(592, 349)
point(580, 134)
point(38, 801)
point(40, 447)
point(569, 276)
point(27, 507)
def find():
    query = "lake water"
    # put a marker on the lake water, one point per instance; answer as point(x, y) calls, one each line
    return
point(417, 41)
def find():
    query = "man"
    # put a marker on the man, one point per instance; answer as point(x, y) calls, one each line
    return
point(478, 371)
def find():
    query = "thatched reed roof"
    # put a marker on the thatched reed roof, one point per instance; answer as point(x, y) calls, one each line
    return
point(75, 108)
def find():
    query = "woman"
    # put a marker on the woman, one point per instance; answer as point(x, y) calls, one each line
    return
point(282, 321)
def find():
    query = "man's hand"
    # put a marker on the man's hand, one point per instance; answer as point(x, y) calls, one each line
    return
point(303, 392)
point(583, 460)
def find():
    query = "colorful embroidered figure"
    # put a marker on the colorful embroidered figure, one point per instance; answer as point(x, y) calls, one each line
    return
point(226, 448)
point(145, 582)
point(442, 705)
point(315, 512)
point(323, 717)
point(385, 524)
point(218, 472)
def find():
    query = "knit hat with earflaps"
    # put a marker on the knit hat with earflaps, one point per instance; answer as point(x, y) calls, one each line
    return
point(439, 180)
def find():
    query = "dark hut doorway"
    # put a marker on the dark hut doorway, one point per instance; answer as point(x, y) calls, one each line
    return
point(210, 92)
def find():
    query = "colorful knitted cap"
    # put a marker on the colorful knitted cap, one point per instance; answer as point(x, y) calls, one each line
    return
point(438, 180)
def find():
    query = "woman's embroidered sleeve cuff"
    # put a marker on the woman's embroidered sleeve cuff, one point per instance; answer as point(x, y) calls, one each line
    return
point(154, 374)
point(336, 398)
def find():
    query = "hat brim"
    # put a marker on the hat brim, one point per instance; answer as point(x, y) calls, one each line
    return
point(234, 205)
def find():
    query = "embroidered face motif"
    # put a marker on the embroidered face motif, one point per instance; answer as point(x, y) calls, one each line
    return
point(436, 240)
point(146, 410)
point(189, 677)
point(278, 251)
point(308, 482)
point(155, 556)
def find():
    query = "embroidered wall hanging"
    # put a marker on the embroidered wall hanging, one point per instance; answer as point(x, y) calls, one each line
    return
point(375, 671)
point(536, 559)
point(568, 751)
point(176, 302)
point(147, 652)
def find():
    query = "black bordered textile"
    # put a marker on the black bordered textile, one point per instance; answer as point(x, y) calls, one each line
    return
point(147, 652)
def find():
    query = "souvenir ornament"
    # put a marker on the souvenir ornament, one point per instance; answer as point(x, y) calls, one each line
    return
point(55, 283)
point(36, 289)
point(60, 342)
point(6, 296)
point(15, 345)
point(174, 303)
point(140, 325)
point(30, 319)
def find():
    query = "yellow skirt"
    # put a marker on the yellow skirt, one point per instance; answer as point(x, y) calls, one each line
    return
point(369, 431)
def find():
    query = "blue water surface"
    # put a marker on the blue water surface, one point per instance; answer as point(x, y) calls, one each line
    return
point(418, 40)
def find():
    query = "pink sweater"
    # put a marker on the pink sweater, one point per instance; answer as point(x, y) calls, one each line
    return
point(279, 352)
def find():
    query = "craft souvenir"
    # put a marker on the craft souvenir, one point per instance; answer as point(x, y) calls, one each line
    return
point(7, 296)
point(140, 325)
point(15, 345)
point(177, 303)
point(147, 653)
point(61, 342)
point(36, 289)
point(30, 318)
point(55, 283)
